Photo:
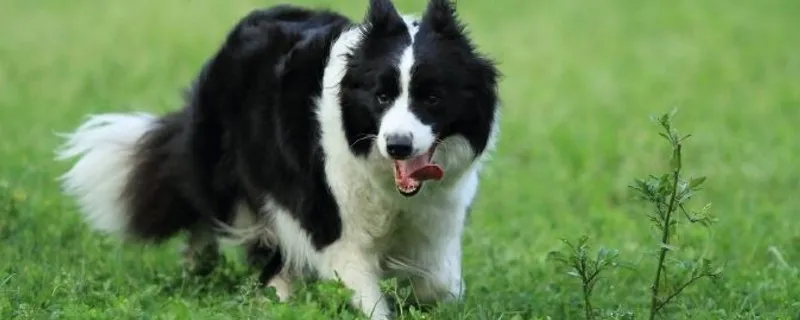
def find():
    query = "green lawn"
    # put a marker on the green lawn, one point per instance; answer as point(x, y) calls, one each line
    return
point(581, 79)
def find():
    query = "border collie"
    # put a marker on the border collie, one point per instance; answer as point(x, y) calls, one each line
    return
point(326, 147)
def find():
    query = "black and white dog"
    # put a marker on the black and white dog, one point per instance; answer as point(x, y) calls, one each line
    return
point(308, 137)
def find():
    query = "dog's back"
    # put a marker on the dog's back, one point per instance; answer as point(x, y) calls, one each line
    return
point(149, 177)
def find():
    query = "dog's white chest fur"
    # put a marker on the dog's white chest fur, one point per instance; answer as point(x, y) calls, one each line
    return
point(385, 234)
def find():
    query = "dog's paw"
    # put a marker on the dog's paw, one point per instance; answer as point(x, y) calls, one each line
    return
point(282, 285)
point(199, 262)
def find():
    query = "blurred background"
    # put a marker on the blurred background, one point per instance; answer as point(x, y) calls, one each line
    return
point(581, 79)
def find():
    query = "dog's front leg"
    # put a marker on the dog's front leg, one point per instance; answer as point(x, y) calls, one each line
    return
point(443, 281)
point(360, 272)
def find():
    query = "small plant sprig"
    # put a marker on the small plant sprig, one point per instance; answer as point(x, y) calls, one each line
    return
point(667, 194)
point(586, 267)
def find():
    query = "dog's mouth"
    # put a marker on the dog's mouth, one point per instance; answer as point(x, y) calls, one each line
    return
point(409, 174)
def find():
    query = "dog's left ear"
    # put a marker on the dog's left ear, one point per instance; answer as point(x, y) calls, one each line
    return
point(440, 17)
point(383, 18)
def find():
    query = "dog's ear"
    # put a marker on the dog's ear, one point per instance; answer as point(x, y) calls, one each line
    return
point(383, 18)
point(440, 17)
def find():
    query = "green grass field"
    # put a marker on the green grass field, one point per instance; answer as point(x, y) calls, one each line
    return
point(581, 79)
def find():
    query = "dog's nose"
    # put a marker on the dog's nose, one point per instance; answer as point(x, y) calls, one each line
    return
point(399, 146)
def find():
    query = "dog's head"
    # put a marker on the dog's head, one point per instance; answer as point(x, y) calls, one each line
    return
point(418, 92)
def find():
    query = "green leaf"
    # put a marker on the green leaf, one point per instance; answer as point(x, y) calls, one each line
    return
point(668, 247)
point(573, 274)
point(694, 183)
point(665, 120)
point(705, 209)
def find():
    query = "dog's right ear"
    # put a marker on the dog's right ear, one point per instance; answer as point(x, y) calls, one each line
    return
point(440, 17)
point(383, 18)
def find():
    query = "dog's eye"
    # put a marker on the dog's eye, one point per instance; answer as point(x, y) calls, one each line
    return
point(432, 100)
point(382, 98)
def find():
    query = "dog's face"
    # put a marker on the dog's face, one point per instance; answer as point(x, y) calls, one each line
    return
point(412, 87)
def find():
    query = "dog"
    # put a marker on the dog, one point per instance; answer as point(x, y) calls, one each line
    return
point(326, 148)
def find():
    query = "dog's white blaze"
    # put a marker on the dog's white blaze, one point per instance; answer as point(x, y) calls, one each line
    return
point(105, 143)
point(411, 20)
point(399, 119)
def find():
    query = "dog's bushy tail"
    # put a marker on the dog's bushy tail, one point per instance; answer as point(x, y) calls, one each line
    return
point(121, 180)
point(106, 145)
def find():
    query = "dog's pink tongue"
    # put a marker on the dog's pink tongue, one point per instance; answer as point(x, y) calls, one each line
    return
point(419, 169)
point(428, 172)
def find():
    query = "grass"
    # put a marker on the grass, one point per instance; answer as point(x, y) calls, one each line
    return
point(581, 80)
